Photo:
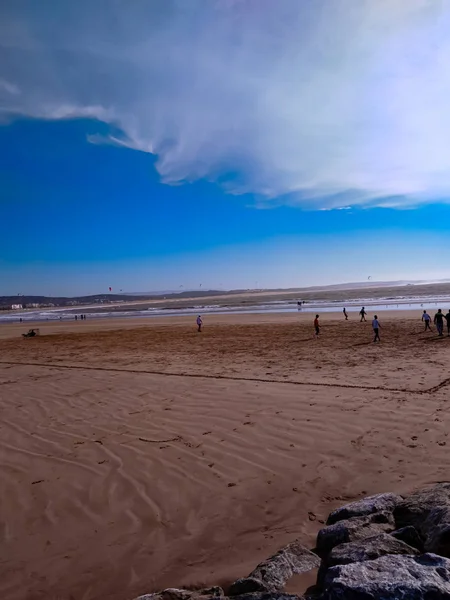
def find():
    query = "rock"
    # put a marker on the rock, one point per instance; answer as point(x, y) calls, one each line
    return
point(425, 577)
point(179, 594)
point(351, 530)
point(268, 596)
point(428, 511)
point(366, 506)
point(272, 574)
point(214, 592)
point(415, 508)
point(360, 551)
point(247, 585)
point(410, 536)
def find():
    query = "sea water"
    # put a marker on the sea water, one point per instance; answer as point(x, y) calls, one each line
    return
point(279, 306)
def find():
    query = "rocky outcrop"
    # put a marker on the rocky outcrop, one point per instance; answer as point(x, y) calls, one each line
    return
point(268, 596)
point(368, 549)
point(272, 574)
point(354, 529)
point(383, 547)
point(425, 577)
point(410, 536)
point(428, 511)
point(180, 594)
point(366, 506)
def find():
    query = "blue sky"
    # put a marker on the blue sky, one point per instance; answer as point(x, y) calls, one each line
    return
point(232, 144)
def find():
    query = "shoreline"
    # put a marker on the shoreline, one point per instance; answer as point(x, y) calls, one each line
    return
point(212, 311)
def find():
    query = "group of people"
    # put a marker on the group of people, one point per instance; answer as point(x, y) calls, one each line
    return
point(362, 314)
point(438, 320)
point(375, 323)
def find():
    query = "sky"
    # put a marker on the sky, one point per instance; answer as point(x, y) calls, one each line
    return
point(165, 144)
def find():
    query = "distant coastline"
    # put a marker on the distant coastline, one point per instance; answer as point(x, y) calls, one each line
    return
point(379, 296)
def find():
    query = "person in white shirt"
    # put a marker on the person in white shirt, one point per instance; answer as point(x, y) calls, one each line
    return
point(376, 327)
point(199, 323)
point(426, 317)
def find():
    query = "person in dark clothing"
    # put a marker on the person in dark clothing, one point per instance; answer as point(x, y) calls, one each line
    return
point(439, 322)
point(363, 314)
point(316, 325)
point(31, 333)
point(447, 318)
point(345, 314)
point(376, 329)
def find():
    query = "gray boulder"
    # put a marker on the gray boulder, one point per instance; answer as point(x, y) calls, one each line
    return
point(247, 585)
point(354, 529)
point(367, 549)
point(180, 594)
point(425, 577)
point(410, 536)
point(272, 574)
point(380, 502)
point(428, 510)
point(268, 596)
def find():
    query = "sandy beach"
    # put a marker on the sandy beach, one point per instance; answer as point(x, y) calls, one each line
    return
point(139, 454)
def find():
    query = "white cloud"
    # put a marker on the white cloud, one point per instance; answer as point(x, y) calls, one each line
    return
point(316, 102)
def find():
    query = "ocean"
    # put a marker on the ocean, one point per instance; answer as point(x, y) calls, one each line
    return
point(283, 306)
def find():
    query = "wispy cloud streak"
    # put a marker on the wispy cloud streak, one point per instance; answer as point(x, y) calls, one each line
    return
point(314, 101)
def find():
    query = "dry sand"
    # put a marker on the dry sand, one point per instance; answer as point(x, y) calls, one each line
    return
point(137, 455)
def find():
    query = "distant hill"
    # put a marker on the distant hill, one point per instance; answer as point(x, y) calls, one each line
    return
point(26, 300)
point(414, 287)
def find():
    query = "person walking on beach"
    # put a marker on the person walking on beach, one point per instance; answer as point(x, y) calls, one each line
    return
point(427, 319)
point(439, 322)
point(345, 314)
point(316, 325)
point(199, 323)
point(447, 318)
point(376, 329)
point(363, 314)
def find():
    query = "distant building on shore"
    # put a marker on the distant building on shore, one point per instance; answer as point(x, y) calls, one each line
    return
point(16, 306)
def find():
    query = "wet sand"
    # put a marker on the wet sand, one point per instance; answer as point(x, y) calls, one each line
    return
point(139, 454)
